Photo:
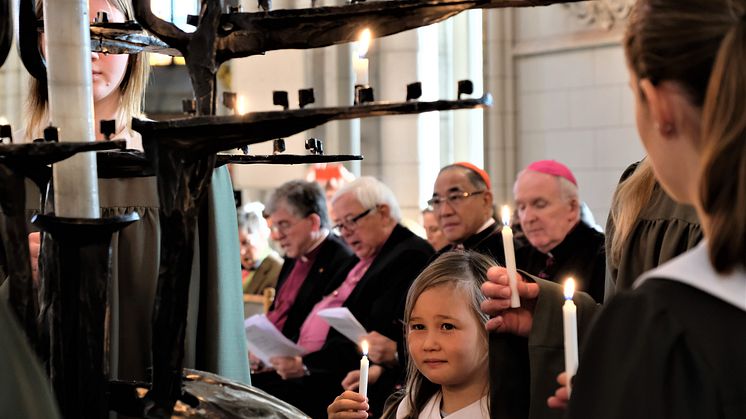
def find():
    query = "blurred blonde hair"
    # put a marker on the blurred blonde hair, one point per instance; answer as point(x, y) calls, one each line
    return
point(632, 195)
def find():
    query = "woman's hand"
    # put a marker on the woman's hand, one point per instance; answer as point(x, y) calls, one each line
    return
point(34, 245)
point(561, 396)
point(352, 380)
point(505, 319)
point(288, 367)
point(348, 405)
point(381, 350)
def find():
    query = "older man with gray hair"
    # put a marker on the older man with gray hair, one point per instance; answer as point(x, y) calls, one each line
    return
point(388, 258)
point(314, 258)
point(560, 244)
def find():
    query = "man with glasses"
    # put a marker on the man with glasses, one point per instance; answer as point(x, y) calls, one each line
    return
point(388, 258)
point(314, 258)
point(462, 204)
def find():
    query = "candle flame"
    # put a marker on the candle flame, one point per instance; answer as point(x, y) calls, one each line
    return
point(363, 43)
point(364, 345)
point(569, 288)
point(242, 105)
point(506, 215)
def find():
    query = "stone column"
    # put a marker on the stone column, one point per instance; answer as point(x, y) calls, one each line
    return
point(500, 149)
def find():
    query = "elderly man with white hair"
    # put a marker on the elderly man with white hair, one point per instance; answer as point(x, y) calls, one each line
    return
point(388, 257)
point(560, 244)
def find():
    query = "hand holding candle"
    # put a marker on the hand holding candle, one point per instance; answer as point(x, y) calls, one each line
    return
point(364, 363)
point(507, 233)
point(570, 322)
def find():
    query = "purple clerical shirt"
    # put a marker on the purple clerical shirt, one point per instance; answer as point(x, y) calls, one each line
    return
point(289, 290)
point(314, 330)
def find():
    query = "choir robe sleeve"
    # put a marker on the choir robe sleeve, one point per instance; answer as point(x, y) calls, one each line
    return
point(640, 361)
point(524, 370)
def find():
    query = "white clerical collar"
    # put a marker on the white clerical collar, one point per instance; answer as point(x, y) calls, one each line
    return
point(317, 243)
point(694, 269)
point(486, 224)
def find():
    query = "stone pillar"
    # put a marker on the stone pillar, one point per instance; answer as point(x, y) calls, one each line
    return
point(409, 145)
point(500, 148)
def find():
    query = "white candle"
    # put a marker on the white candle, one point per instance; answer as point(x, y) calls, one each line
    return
point(364, 364)
point(359, 62)
point(68, 55)
point(360, 66)
point(570, 323)
point(507, 233)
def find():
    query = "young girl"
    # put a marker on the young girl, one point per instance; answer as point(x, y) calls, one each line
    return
point(447, 374)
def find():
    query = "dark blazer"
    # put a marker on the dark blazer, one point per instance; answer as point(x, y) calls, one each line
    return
point(581, 255)
point(488, 242)
point(329, 270)
point(378, 303)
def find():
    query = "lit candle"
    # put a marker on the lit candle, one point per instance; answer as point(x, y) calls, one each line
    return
point(364, 363)
point(360, 63)
point(242, 105)
point(68, 54)
point(570, 322)
point(507, 233)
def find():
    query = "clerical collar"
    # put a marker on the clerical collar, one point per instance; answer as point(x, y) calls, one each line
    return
point(314, 246)
point(568, 244)
point(486, 230)
point(486, 225)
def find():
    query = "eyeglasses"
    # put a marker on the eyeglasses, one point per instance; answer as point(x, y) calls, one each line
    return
point(350, 223)
point(282, 227)
point(453, 198)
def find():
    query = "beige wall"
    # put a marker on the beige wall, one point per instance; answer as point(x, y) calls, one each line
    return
point(571, 101)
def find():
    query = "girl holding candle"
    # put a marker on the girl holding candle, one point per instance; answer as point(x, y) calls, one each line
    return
point(118, 84)
point(673, 347)
point(447, 374)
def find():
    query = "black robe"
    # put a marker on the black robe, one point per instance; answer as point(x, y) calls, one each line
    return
point(668, 349)
point(378, 303)
point(580, 255)
point(328, 271)
point(488, 242)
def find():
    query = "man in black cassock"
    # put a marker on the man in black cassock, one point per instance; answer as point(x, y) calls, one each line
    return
point(463, 206)
point(558, 243)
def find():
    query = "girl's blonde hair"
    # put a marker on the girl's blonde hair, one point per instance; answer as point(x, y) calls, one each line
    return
point(701, 45)
point(632, 195)
point(132, 87)
point(465, 271)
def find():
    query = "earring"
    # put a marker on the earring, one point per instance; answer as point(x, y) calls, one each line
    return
point(666, 129)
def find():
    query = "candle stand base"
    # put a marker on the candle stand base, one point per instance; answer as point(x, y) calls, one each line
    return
point(75, 270)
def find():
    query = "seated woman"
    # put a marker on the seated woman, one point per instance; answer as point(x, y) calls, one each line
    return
point(260, 265)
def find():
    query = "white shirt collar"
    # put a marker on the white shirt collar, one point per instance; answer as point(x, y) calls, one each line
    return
point(431, 410)
point(694, 269)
